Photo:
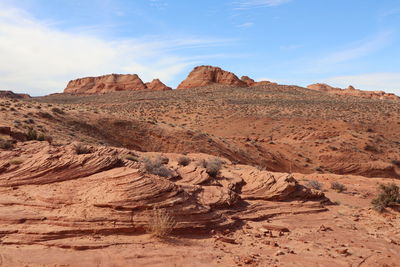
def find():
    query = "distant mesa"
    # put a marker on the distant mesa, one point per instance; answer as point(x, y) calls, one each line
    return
point(112, 83)
point(351, 91)
point(209, 75)
point(11, 94)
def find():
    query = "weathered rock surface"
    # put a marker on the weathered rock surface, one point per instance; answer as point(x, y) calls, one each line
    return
point(112, 83)
point(54, 194)
point(250, 82)
point(208, 75)
point(11, 94)
point(157, 85)
point(351, 91)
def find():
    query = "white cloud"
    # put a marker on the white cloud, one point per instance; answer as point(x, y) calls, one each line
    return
point(386, 81)
point(359, 49)
point(246, 25)
point(249, 4)
point(39, 59)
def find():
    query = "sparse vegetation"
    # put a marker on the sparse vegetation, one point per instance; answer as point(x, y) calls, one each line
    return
point(184, 161)
point(338, 187)
point(161, 223)
point(314, 185)
point(31, 134)
point(82, 149)
point(16, 161)
point(131, 157)
point(58, 111)
point(156, 166)
point(6, 144)
point(388, 195)
point(212, 166)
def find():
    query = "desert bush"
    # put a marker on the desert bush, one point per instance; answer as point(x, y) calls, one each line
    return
point(6, 144)
point(213, 166)
point(57, 110)
point(388, 195)
point(184, 161)
point(338, 187)
point(155, 166)
point(371, 148)
point(131, 157)
point(161, 223)
point(314, 185)
point(15, 161)
point(82, 149)
point(31, 134)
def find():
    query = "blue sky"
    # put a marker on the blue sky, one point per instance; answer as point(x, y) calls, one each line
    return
point(46, 43)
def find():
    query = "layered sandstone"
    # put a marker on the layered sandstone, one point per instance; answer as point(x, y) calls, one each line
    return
point(208, 75)
point(157, 85)
point(250, 82)
point(11, 94)
point(112, 83)
point(54, 194)
point(351, 91)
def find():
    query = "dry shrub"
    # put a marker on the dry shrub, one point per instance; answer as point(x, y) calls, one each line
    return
point(6, 144)
point(82, 149)
point(155, 166)
point(161, 223)
point(314, 185)
point(338, 187)
point(388, 195)
point(212, 166)
point(184, 161)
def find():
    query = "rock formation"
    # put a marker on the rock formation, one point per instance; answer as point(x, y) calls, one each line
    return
point(11, 94)
point(112, 83)
point(209, 75)
point(250, 82)
point(75, 195)
point(351, 91)
point(157, 85)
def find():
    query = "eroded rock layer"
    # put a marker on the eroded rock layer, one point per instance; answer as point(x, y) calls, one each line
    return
point(351, 91)
point(49, 194)
point(112, 83)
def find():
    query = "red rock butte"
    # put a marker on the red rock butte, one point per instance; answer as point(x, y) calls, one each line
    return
point(10, 94)
point(112, 83)
point(208, 75)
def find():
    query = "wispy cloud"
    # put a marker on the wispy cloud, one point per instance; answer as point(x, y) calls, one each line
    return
point(245, 25)
point(249, 4)
point(359, 49)
point(40, 59)
point(387, 81)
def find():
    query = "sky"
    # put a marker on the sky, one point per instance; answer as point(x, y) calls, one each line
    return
point(46, 43)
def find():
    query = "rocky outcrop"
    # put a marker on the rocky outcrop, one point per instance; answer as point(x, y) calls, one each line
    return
point(157, 85)
point(112, 83)
point(208, 75)
point(250, 82)
point(351, 91)
point(11, 94)
point(53, 194)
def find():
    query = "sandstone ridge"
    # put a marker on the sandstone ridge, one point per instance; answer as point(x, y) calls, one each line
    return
point(351, 91)
point(112, 83)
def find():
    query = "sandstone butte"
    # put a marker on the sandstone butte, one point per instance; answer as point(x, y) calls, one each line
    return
point(208, 75)
point(10, 94)
point(112, 83)
point(157, 85)
point(351, 91)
